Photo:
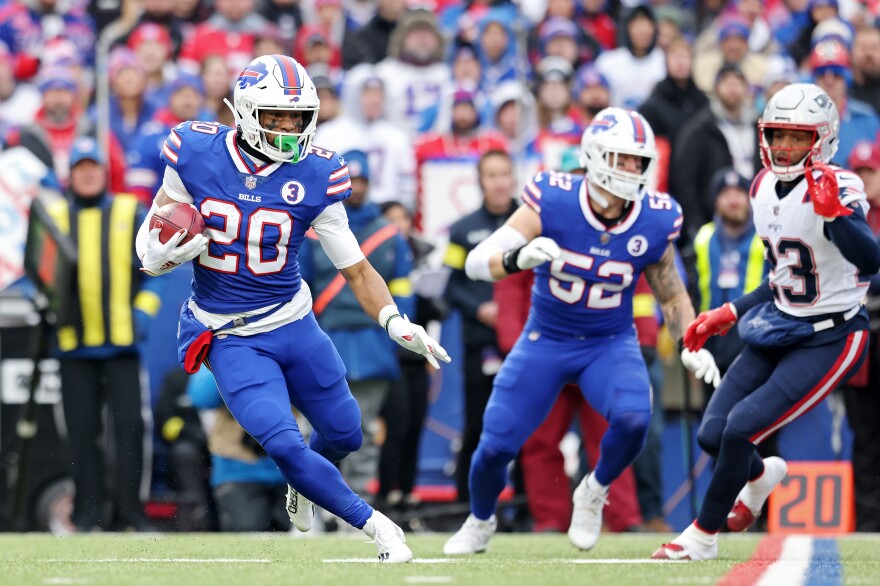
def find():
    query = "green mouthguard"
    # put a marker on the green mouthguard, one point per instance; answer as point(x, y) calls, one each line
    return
point(287, 144)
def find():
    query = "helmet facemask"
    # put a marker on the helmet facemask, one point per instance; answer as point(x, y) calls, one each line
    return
point(288, 147)
point(779, 159)
point(601, 164)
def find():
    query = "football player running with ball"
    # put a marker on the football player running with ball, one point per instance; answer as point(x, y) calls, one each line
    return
point(260, 186)
point(805, 327)
point(588, 240)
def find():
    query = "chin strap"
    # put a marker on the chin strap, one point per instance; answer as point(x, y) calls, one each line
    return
point(595, 195)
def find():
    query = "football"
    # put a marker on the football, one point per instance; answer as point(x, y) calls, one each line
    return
point(177, 216)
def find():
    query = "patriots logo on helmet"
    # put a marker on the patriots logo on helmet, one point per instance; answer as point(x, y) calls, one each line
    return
point(252, 74)
point(602, 124)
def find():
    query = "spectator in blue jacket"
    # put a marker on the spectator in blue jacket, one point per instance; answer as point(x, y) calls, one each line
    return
point(370, 360)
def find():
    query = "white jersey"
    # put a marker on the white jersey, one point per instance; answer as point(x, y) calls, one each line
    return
point(389, 151)
point(809, 275)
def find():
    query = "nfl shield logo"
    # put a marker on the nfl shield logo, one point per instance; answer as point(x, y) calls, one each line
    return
point(605, 237)
point(250, 181)
point(775, 210)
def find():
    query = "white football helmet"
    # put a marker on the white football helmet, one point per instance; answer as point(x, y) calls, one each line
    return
point(799, 106)
point(612, 132)
point(275, 82)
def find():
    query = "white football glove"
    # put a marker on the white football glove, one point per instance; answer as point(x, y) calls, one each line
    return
point(537, 252)
point(412, 336)
point(702, 364)
point(162, 258)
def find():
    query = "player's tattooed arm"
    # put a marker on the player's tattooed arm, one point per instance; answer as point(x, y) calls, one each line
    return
point(670, 292)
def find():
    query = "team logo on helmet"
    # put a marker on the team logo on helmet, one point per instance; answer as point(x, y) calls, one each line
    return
point(606, 122)
point(252, 74)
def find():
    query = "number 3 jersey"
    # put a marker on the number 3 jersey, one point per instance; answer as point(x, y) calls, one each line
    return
point(257, 216)
point(588, 290)
point(808, 273)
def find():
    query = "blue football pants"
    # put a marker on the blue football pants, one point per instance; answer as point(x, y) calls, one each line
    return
point(261, 376)
point(613, 378)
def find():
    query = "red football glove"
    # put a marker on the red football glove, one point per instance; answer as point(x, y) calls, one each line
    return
point(709, 323)
point(824, 192)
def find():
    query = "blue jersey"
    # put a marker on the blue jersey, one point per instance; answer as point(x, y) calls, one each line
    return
point(588, 291)
point(257, 216)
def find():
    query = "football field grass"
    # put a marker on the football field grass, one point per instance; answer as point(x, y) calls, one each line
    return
point(522, 559)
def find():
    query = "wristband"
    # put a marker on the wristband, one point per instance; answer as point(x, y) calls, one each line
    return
point(386, 314)
point(508, 261)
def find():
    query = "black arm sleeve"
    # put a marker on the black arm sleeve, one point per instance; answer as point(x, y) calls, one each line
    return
point(853, 237)
point(761, 294)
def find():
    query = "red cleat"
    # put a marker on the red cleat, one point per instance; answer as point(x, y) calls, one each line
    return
point(741, 517)
point(671, 551)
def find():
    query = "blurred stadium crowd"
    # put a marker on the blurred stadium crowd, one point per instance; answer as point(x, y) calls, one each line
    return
point(415, 89)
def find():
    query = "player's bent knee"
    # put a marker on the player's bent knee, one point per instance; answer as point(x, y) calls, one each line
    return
point(287, 446)
point(490, 455)
point(347, 444)
point(709, 435)
point(632, 423)
point(501, 429)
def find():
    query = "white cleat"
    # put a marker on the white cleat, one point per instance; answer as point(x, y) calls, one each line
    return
point(586, 518)
point(692, 545)
point(752, 497)
point(300, 510)
point(389, 539)
point(473, 537)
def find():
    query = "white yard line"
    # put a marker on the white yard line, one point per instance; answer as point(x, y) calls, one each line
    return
point(376, 561)
point(427, 579)
point(455, 560)
point(152, 561)
point(791, 567)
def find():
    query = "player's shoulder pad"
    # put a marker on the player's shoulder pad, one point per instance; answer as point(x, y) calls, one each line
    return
point(665, 212)
point(850, 186)
point(193, 136)
point(757, 182)
point(547, 184)
point(332, 167)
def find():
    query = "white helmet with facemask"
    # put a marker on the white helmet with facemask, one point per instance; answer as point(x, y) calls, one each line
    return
point(799, 106)
point(614, 132)
point(275, 82)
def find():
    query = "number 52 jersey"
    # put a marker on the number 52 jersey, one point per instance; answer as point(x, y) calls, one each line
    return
point(588, 290)
point(257, 215)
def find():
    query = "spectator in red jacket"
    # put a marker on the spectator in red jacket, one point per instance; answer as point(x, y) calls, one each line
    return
point(57, 123)
point(229, 32)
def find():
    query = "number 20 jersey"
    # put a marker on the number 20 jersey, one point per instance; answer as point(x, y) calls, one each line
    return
point(257, 216)
point(808, 274)
point(588, 290)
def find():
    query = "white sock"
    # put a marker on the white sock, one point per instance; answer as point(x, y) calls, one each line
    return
point(694, 533)
point(593, 484)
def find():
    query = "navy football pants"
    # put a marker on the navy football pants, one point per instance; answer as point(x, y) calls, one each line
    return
point(763, 391)
point(261, 376)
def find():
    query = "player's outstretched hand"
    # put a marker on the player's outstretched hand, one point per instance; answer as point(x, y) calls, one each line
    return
point(162, 258)
point(710, 323)
point(824, 192)
point(413, 337)
point(702, 364)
